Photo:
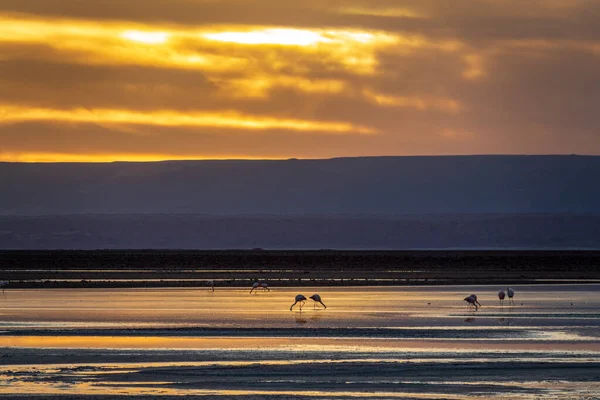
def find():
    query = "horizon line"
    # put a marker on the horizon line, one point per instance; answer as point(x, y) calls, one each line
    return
point(165, 160)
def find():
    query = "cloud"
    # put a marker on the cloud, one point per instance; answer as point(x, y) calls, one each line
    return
point(225, 119)
point(305, 79)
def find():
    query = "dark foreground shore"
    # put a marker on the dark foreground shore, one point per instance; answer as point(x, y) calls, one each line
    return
point(238, 268)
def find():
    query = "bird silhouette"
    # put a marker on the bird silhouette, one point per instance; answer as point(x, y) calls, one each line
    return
point(472, 301)
point(3, 284)
point(317, 299)
point(211, 285)
point(511, 294)
point(299, 299)
point(260, 285)
point(265, 286)
point(501, 296)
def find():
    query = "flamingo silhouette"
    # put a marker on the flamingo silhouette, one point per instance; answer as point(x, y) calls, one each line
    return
point(472, 301)
point(501, 296)
point(3, 284)
point(317, 299)
point(259, 285)
point(255, 285)
point(511, 294)
point(211, 285)
point(299, 299)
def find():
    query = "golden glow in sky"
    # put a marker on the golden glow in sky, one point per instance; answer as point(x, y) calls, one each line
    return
point(168, 118)
point(146, 37)
point(278, 36)
point(302, 80)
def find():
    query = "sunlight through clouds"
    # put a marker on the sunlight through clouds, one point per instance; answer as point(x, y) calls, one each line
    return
point(147, 37)
point(278, 36)
point(225, 119)
point(419, 103)
point(360, 77)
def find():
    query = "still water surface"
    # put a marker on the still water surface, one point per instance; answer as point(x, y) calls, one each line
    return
point(370, 342)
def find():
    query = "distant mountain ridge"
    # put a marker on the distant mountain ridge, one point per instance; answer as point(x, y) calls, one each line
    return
point(312, 232)
point(350, 186)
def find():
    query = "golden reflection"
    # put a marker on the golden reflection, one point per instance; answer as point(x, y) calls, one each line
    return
point(225, 119)
point(551, 341)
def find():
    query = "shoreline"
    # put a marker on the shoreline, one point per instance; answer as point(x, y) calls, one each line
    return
point(240, 268)
point(201, 285)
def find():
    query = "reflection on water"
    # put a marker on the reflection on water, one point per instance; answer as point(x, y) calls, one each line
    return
point(399, 375)
point(371, 342)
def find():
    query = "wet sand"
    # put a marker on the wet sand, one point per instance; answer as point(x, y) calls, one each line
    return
point(370, 342)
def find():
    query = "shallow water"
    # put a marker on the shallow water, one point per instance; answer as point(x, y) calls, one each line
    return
point(378, 342)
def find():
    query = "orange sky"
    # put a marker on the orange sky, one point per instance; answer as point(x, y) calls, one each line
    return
point(191, 79)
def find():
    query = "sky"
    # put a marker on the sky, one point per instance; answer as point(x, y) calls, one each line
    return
point(145, 80)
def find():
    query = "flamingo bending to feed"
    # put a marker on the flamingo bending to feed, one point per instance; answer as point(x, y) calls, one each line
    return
point(260, 285)
point(501, 296)
point(299, 299)
point(511, 294)
point(472, 301)
point(317, 299)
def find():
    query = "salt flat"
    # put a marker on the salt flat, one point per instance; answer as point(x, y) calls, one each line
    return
point(370, 342)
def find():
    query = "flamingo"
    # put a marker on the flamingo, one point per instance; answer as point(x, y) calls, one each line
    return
point(317, 299)
point(501, 296)
point(511, 294)
point(260, 285)
point(264, 286)
point(472, 301)
point(211, 285)
point(3, 284)
point(299, 299)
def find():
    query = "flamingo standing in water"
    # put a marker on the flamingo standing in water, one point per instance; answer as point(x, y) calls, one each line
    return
point(511, 294)
point(260, 285)
point(211, 285)
point(3, 284)
point(299, 299)
point(264, 286)
point(501, 296)
point(472, 301)
point(317, 299)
